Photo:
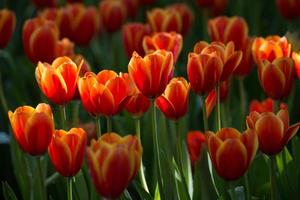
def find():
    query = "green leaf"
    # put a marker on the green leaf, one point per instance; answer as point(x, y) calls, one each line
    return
point(157, 193)
point(8, 192)
point(141, 191)
point(80, 186)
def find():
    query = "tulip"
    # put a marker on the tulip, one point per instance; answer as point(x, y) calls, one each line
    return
point(7, 26)
point(131, 7)
point(296, 58)
point(277, 77)
point(231, 152)
point(217, 6)
point(273, 131)
point(164, 20)
point(132, 37)
point(152, 73)
point(114, 162)
point(32, 128)
point(270, 48)
point(163, 40)
point(64, 47)
point(266, 105)
point(40, 38)
point(112, 11)
point(67, 150)
point(173, 103)
point(226, 29)
point(58, 80)
point(195, 144)
point(288, 9)
point(104, 93)
point(211, 64)
point(44, 3)
point(246, 64)
point(186, 14)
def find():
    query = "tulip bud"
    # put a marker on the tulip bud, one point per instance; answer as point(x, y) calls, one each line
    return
point(288, 9)
point(7, 26)
point(195, 144)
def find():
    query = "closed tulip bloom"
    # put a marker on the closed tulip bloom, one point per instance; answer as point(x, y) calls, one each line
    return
point(167, 41)
point(225, 29)
point(64, 47)
point(173, 103)
point(132, 37)
point(266, 105)
point(32, 128)
point(131, 7)
point(38, 34)
point(288, 9)
point(58, 80)
point(211, 64)
point(152, 73)
point(7, 26)
point(273, 131)
point(112, 11)
point(296, 58)
point(164, 20)
point(270, 48)
point(104, 93)
point(277, 77)
point(246, 64)
point(231, 152)
point(195, 144)
point(114, 162)
point(67, 150)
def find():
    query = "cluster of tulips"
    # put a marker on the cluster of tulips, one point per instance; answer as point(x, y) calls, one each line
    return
point(152, 83)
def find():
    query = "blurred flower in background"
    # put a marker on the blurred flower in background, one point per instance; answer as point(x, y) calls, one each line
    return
point(7, 26)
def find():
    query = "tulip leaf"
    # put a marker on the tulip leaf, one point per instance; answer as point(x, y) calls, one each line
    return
point(8, 192)
point(157, 193)
point(80, 186)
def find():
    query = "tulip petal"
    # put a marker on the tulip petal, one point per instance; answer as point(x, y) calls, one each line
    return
point(290, 133)
point(231, 64)
point(250, 140)
point(166, 107)
point(105, 75)
point(213, 143)
point(226, 133)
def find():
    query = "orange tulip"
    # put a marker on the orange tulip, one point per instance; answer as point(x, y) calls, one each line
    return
point(44, 3)
point(195, 144)
point(113, 14)
point(32, 128)
point(225, 29)
point(104, 93)
point(186, 14)
point(296, 58)
point(163, 40)
point(164, 20)
point(288, 9)
point(7, 26)
point(152, 73)
point(40, 38)
point(273, 131)
point(211, 64)
point(58, 80)
point(270, 48)
point(266, 105)
point(67, 150)
point(114, 162)
point(132, 36)
point(231, 152)
point(64, 47)
point(277, 78)
point(173, 103)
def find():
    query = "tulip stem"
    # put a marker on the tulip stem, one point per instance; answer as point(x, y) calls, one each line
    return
point(272, 171)
point(232, 191)
point(63, 116)
point(218, 107)
point(69, 188)
point(243, 97)
point(41, 176)
point(248, 193)
point(108, 124)
point(51, 178)
point(2, 96)
point(98, 127)
point(141, 171)
point(156, 147)
point(204, 113)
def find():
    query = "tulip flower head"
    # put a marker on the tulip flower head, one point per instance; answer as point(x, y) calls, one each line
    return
point(296, 58)
point(231, 152)
point(195, 144)
point(173, 103)
point(114, 162)
point(58, 81)
point(7, 26)
point(273, 131)
point(33, 128)
point(67, 150)
point(266, 105)
point(288, 9)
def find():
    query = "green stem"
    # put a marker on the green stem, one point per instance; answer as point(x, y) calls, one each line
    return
point(205, 121)
point(272, 171)
point(108, 124)
point(247, 185)
point(243, 97)
point(218, 108)
point(141, 171)
point(156, 147)
point(75, 116)
point(63, 116)
point(69, 188)
point(232, 191)
point(41, 176)
point(2, 96)
point(98, 126)
point(52, 178)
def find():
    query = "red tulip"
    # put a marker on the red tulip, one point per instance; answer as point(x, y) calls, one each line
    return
point(231, 152)
point(288, 9)
point(58, 81)
point(32, 128)
point(173, 103)
point(7, 26)
point(131, 7)
point(296, 58)
point(114, 162)
point(67, 150)
point(266, 105)
point(163, 40)
point(64, 47)
point(273, 131)
point(195, 144)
